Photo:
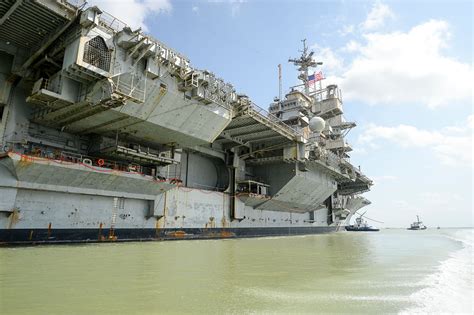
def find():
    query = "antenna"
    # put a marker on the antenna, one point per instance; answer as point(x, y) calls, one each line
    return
point(279, 87)
point(304, 62)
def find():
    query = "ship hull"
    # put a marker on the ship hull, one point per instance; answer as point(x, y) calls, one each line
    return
point(356, 229)
point(45, 201)
point(67, 236)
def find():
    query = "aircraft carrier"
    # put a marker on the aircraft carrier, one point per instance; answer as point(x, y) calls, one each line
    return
point(107, 134)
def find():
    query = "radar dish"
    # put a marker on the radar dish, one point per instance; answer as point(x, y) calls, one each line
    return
point(317, 124)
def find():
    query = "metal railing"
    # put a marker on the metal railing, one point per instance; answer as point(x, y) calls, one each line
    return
point(332, 159)
point(46, 84)
point(264, 114)
point(327, 93)
point(77, 3)
point(95, 162)
point(109, 21)
point(130, 85)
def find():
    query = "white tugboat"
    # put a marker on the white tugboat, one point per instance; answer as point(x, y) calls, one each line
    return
point(361, 226)
point(417, 225)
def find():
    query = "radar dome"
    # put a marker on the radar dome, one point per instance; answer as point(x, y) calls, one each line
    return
point(317, 124)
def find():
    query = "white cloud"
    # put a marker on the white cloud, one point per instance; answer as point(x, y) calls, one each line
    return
point(377, 16)
point(195, 9)
point(346, 30)
point(450, 148)
point(352, 46)
point(407, 67)
point(331, 62)
point(470, 121)
point(133, 12)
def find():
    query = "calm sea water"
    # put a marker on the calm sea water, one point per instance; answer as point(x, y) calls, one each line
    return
point(393, 271)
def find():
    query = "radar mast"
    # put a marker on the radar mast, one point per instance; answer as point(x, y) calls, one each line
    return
point(304, 62)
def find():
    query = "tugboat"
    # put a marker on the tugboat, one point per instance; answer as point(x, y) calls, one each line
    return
point(417, 225)
point(361, 226)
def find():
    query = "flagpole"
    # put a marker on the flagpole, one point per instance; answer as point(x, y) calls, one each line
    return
point(314, 81)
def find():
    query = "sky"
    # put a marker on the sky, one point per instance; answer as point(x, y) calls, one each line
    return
point(405, 69)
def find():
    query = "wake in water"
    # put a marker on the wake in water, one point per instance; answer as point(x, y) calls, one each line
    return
point(450, 289)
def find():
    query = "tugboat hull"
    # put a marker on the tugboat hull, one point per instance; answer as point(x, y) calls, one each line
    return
point(361, 229)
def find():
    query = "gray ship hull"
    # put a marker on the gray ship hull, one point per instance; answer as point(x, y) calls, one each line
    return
point(69, 236)
point(55, 202)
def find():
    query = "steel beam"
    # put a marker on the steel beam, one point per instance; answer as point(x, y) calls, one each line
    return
point(10, 11)
point(246, 127)
point(48, 42)
point(233, 139)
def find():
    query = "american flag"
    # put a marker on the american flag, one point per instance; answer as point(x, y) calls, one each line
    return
point(315, 77)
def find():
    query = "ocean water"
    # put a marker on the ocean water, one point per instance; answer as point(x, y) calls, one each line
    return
point(393, 271)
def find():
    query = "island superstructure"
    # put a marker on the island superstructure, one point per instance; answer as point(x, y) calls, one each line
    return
point(107, 134)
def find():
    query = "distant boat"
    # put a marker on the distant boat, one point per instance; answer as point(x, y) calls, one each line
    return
point(361, 226)
point(417, 225)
